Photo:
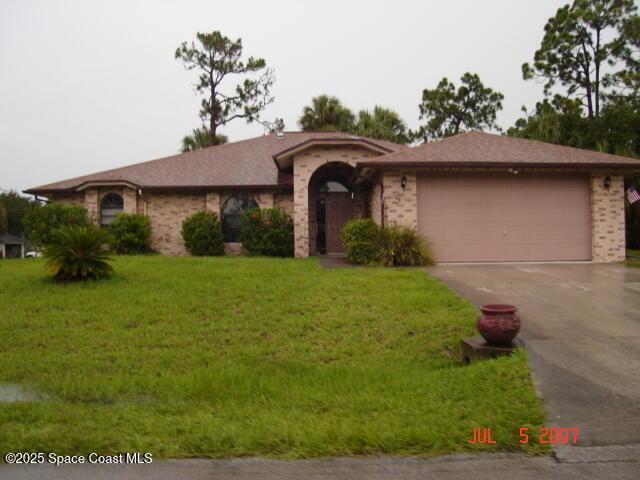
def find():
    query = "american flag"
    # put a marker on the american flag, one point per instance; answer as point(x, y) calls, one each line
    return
point(632, 195)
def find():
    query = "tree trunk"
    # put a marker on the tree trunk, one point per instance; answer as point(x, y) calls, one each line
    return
point(589, 100)
point(597, 81)
point(212, 111)
point(213, 139)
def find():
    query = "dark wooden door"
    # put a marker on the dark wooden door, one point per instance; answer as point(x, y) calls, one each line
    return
point(339, 210)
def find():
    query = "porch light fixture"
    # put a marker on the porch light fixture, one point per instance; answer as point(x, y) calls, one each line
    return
point(403, 182)
point(607, 182)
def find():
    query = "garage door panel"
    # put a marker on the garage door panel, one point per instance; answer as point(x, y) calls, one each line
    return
point(495, 216)
point(504, 217)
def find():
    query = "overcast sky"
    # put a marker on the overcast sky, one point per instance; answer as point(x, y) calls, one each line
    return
point(87, 86)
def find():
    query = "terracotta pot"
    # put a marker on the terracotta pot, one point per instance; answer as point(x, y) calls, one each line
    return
point(498, 324)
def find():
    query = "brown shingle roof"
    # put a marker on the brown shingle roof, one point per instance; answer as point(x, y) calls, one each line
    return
point(247, 163)
point(485, 149)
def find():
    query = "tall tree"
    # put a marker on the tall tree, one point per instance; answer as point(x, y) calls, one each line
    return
point(579, 41)
point(15, 206)
point(627, 81)
point(558, 120)
point(275, 126)
point(562, 121)
point(326, 113)
point(201, 138)
point(216, 58)
point(383, 124)
point(449, 111)
point(3, 219)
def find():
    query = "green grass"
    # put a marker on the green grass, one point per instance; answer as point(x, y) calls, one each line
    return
point(220, 357)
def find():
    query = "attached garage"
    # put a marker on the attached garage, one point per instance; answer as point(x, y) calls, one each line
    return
point(479, 197)
point(471, 217)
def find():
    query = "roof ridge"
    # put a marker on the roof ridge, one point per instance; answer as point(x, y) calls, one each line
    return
point(488, 148)
point(558, 145)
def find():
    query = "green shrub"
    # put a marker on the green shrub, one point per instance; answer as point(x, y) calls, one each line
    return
point(404, 246)
point(130, 233)
point(202, 234)
point(40, 223)
point(78, 252)
point(267, 232)
point(362, 241)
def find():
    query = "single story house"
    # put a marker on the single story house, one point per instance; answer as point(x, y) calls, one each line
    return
point(475, 197)
point(12, 246)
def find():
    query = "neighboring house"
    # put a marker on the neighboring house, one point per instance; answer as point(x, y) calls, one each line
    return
point(475, 196)
point(12, 246)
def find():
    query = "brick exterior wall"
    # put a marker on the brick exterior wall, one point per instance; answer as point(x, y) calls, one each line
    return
point(284, 201)
point(91, 204)
point(167, 211)
point(304, 164)
point(130, 200)
point(400, 206)
point(375, 200)
point(68, 198)
point(212, 202)
point(607, 219)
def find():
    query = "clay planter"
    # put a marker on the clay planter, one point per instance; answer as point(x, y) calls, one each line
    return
point(498, 324)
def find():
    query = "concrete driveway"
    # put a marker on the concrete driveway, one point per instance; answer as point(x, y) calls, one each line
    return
point(581, 327)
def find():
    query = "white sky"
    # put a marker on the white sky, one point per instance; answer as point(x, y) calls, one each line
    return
point(87, 86)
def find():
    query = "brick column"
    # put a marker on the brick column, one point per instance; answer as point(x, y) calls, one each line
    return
point(400, 206)
point(91, 204)
point(130, 200)
point(301, 209)
point(607, 219)
point(212, 202)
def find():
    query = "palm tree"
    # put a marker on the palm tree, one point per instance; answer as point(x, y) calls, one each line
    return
point(199, 138)
point(383, 124)
point(326, 113)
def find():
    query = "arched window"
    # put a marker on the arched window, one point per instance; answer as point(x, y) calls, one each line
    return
point(110, 206)
point(332, 186)
point(232, 211)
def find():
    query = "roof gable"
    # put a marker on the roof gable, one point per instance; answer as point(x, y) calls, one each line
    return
point(284, 158)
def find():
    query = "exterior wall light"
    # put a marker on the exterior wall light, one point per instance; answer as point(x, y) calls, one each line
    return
point(607, 182)
point(403, 182)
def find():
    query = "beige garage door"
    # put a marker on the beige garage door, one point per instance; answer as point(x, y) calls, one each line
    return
point(505, 217)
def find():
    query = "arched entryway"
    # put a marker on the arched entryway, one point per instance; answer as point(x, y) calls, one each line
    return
point(333, 201)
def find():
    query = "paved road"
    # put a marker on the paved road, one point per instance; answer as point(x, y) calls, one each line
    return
point(582, 331)
point(617, 465)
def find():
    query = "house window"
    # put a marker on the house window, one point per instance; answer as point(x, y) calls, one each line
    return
point(232, 211)
point(332, 186)
point(110, 206)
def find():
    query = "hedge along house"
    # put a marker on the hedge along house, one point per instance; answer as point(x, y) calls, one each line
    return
point(475, 196)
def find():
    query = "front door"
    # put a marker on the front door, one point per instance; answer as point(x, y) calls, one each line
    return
point(339, 210)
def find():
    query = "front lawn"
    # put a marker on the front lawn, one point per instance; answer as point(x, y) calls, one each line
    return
point(220, 357)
